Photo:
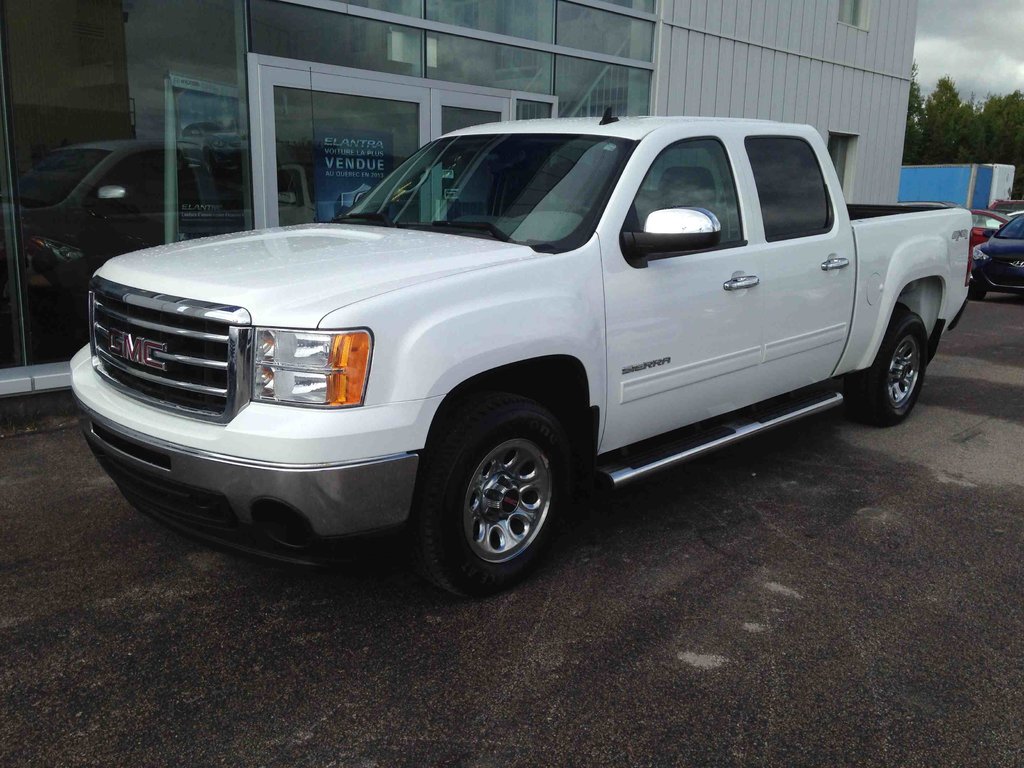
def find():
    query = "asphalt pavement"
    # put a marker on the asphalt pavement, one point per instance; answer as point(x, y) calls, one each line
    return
point(828, 594)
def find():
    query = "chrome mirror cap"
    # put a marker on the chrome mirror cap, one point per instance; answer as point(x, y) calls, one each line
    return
point(682, 221)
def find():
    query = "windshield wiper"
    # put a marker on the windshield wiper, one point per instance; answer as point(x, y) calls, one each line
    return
point(381, 218)
point(479, 226)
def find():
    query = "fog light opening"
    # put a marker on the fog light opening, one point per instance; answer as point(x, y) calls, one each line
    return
point(281, 524)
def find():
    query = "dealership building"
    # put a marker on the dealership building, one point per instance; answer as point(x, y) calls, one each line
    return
point(131, 123)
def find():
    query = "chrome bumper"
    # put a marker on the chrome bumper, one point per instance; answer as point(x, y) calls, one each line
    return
point(215, 495)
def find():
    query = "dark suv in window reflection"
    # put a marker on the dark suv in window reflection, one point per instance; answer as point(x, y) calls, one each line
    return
point(86, 203)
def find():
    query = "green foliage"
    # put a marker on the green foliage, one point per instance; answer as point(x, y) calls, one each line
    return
point(944, 128)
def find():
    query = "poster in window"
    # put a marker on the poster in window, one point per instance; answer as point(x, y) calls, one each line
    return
point(347, 165)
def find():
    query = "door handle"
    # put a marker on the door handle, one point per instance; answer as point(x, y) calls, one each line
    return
point(833, 263)
point(739, 283)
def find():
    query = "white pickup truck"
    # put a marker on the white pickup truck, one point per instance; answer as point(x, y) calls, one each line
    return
point(517, 311)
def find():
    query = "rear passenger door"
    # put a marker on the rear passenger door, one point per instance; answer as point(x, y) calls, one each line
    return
point(809, 270)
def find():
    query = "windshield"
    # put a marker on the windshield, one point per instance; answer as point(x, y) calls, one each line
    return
point(542, 190)
point(52, 178)
point(1012, 231)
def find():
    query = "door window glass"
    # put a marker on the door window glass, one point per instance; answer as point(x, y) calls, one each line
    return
point(333, 148)
point(791, 188)
point(690, 174)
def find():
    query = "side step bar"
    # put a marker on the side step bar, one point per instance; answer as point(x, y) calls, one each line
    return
point(621, 471)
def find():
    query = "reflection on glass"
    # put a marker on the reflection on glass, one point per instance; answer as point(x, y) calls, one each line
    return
point(333, 148)
point(404, 7)
point(647, 6)
point(586, 88)
point(532, 19)
point(592, 30)
point(130, 133)
point(299, 32)
point(477, 62)
point(532, 110)
point(10, 326)
point(454, 118)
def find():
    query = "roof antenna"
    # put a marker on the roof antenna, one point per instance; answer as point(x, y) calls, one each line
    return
point(608, 117)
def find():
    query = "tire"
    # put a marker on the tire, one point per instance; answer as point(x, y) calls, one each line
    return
point(495, 472)
point(885, 394)
point(975, 293)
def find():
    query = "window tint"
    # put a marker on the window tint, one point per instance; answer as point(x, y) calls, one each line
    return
point(794, 198)
point(690, 174)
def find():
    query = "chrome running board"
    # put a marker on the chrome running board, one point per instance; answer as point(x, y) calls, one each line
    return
point(620, 471)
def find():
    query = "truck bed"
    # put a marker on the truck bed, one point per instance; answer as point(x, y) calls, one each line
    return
point(861, 212)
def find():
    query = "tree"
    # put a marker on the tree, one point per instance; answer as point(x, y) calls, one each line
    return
point(913, 142)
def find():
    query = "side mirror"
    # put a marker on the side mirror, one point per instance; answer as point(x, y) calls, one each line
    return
point(988, 233)
point(671, 232)
point(111, 192)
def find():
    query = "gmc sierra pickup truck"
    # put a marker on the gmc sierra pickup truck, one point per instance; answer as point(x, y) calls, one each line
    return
point(517, 312)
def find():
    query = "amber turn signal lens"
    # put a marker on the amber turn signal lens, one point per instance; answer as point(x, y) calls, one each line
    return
point(350, 361)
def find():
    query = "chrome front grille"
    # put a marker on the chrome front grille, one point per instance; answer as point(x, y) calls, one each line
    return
point(188, 356)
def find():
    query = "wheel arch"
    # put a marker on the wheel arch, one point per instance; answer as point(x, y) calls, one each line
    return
point(558, 382)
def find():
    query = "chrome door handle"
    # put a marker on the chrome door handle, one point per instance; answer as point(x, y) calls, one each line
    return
point(833, 263)
point(739, 283)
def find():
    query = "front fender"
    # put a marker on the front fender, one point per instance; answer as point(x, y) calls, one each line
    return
point(429, 338)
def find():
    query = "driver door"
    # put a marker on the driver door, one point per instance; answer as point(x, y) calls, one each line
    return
point(682, 347)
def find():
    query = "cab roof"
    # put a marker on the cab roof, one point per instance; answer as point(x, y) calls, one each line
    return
point(634, 128)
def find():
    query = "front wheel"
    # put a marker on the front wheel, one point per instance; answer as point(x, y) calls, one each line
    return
point(885, 394)
point(494, 474)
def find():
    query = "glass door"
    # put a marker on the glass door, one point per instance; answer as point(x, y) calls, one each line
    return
point(452, 110)
point(325, 140)
point(323, 136)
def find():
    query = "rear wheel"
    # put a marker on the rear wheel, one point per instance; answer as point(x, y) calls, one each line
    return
point(494, 474)
point(885, 393)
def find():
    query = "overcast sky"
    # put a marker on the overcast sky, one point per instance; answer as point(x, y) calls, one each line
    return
point(978, 43)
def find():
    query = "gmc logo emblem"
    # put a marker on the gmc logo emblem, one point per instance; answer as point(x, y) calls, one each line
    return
point(128, 347)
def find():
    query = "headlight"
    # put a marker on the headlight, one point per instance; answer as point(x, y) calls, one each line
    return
point(311, 367)
point(979, 255)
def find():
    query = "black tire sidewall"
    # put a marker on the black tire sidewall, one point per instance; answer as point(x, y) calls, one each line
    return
point(476, 430)
point(904, 324)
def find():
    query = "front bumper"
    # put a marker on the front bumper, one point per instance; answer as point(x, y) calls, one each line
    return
point(286, 510)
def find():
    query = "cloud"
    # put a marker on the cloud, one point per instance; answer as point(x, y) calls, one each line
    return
point(976, 43)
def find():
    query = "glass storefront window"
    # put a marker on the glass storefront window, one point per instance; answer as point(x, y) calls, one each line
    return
point(586, 88)
point(10, 326)
point(130, 130)
point(589, 29)
point(403, 7)
point(298, 32)
point(531, 19)
point(477, 62)
point(532, 110)
point(332, 148)
point(647, 6)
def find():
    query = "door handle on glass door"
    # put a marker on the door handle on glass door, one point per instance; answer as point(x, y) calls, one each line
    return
point(739, 283)
point(834, 262)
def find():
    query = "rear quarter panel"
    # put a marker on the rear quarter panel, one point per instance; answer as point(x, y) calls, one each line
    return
point(894, 251)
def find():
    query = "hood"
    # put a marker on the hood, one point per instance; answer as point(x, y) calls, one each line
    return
point(1002, 249)
point(293, 276)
